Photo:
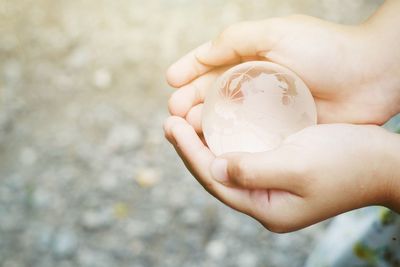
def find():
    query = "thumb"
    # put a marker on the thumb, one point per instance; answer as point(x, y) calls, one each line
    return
point(242, 41)
point(277, 169)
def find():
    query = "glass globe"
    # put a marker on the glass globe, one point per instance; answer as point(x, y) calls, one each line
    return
point(254, 106)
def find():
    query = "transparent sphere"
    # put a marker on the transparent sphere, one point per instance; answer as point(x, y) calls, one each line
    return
point(253, 106)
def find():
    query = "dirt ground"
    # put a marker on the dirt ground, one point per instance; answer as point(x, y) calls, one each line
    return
point(86, 178)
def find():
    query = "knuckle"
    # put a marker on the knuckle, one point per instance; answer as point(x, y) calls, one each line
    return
point(191, 116)
point(171, 108)
point(172, 105)
point(242, 172)
point(241, 168)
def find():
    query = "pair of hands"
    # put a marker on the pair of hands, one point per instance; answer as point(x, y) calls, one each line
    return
point(341, 164)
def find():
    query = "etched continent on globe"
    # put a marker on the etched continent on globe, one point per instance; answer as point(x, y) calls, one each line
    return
point(253, 106)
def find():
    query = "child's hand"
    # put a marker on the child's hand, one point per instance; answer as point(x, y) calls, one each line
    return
point(315, 174)
point(351, 71)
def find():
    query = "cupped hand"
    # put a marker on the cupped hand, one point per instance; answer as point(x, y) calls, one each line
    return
point(315, 174)
point(347, 70)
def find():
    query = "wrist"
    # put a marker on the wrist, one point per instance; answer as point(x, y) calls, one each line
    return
point(380, 37)
point(391, 176)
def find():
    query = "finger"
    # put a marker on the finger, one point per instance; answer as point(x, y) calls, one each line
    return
point(183, 71)
point(185, 98)
point(201, 136)
point(327, 111)
point(276, 169)
point(333, 111)
point(197, 158)
point(194, 118)
point(168, 125)
point(241, 42)
point(277, 210)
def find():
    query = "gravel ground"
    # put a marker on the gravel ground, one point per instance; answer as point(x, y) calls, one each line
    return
point(86, 178)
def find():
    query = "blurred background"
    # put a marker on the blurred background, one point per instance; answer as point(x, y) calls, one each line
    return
point(86, 177)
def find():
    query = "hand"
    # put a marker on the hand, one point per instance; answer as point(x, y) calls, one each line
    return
point(352, 74)
point(315, 174)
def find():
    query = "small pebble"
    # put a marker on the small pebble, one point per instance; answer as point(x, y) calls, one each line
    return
point(121, 210)
point(123, 136)
point(147, 177)
point(216, 249)
point(65, 244)
point(28, 156)
point(97, 219)
point(102, 78)
point(247, 259)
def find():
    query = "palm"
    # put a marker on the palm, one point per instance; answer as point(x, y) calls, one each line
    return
point(295, 185)
point(326, 56)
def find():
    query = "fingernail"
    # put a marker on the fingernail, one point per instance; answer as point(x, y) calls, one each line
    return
point(219, 170)
point(203, 50)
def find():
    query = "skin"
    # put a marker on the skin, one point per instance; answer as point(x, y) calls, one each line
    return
point(343, 163)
